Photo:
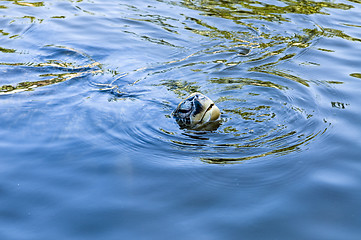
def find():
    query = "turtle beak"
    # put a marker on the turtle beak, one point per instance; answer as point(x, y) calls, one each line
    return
point(205, 109)
point(212, 113)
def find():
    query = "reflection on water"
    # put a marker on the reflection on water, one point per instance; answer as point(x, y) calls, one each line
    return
point(68, 71)
point(27, 4)
point(262, 11)
point(264, 106)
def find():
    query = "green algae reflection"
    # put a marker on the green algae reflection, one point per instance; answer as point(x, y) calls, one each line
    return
point(67, 70)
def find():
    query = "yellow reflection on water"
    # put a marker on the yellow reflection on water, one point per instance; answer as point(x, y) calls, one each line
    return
point(181, 88)
point(7, 50)
point(241, 82)
point(237, 10)
point(278, 151)
point(71, 71)
point(27, 4)
point(28, 86)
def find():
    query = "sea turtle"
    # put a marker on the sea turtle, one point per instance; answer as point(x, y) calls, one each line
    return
point(196, 111)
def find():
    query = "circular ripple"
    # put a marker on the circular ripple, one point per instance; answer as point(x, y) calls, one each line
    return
point(267, 110)
point(259, 126)
point(260, 118)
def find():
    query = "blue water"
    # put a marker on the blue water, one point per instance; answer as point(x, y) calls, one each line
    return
point(89, 150)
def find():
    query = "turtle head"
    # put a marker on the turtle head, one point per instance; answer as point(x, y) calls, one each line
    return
point(196, 110)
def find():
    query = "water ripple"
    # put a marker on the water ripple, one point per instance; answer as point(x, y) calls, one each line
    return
point(239, 60)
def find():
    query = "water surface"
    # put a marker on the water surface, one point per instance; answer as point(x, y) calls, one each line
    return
point(89, 149)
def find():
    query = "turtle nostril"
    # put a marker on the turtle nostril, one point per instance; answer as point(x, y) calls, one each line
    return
point(200, 96)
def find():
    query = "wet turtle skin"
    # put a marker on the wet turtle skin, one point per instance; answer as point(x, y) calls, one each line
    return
point(195, 111)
